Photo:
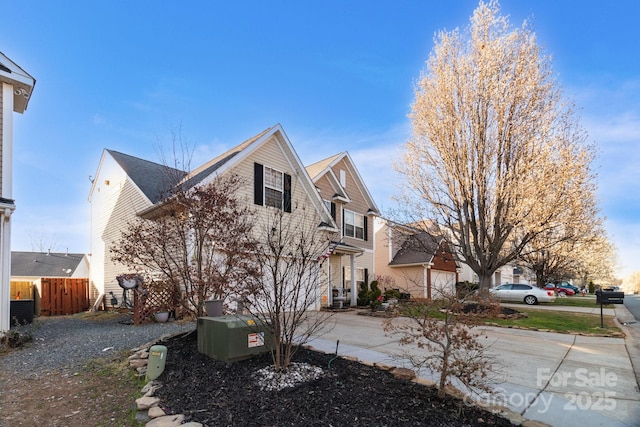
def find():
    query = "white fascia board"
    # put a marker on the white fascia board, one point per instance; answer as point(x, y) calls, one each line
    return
point(307, 183)
point(361, 185)
point(335, 185)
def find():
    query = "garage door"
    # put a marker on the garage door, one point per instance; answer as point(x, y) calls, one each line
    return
point(442, 281)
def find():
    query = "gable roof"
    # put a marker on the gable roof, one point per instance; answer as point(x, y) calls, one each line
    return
point(153, 179)
point(324, 167)
point(318, 167)
point(201, 173)
point(419, 248)
point(22, 82)
point(44, 264)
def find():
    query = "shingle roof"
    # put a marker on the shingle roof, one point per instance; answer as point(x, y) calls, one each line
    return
point(314, 169)
point(212, 165)
point(417, 249)
point(156, 180)
point(43, 264)
point(153, 179)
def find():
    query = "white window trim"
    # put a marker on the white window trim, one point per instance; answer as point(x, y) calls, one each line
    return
point(265, 185)
point(354, 225)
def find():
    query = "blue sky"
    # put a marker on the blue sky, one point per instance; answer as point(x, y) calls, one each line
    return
point(338, 75)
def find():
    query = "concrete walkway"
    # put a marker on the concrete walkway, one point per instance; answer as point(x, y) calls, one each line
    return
point(559, 379)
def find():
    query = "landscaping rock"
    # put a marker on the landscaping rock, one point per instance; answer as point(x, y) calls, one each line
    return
point(155, 412)
point(404, 373)
point(166, 421)
point(138, 363)
point(146, 402)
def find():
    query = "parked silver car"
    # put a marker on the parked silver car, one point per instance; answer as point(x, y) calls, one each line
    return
point(528, 294)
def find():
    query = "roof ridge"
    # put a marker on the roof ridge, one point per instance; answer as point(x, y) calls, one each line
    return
point(201, 172)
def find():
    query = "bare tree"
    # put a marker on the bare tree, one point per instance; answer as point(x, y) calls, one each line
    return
point(199, 240)
point(632, 282)
point(449, 346)
point(43, 242)
point(287, 296)
point(568, 252)
point(496, 153)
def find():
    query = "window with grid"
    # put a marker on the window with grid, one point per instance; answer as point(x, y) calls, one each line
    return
point(273, 187)
point(353, 225)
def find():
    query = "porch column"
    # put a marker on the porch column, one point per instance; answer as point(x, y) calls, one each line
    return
point(329, 287)
point(6, 193)
point(427, 281)
point(354, 285)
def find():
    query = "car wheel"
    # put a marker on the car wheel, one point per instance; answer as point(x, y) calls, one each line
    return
point(562, 294)
point(530, 299)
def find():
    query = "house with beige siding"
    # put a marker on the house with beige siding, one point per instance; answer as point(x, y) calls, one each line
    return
point(417, 261)
point(126, 187)
point(16, 86)
point(349, 261)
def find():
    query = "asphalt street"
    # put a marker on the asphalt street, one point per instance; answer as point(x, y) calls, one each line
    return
point(632, 302)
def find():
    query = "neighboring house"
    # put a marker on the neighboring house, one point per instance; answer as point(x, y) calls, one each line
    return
point(505, 274)
point(418, 262)
point(15, 93)
point(35, 265)
point(125, 187)
point(28, 269)
point(349, 263)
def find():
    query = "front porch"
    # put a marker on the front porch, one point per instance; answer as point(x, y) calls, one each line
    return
point(342, 276)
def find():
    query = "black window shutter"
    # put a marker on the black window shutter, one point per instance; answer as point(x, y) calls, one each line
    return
point(333, 211)
point(344, 223)
point(366, 228)
point(258, 184)
point(287, 193)
point(366, 277)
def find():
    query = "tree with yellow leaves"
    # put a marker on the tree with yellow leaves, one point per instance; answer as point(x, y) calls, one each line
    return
point(497, 157)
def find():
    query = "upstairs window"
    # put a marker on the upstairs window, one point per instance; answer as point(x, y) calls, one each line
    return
point(271, 188)
point(331, 207)
point(355, 225)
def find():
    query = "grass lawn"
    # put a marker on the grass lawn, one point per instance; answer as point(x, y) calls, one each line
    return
point(579, 301)
point(552, 320)
point(559, 321)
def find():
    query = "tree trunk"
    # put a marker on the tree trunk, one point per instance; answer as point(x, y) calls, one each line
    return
point(485, 282)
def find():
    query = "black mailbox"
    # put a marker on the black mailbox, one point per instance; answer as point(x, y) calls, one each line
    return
point(609, 297)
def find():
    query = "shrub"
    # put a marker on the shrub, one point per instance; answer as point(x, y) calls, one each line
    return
point(392, 293)
point(368, 294)
point(14, 339)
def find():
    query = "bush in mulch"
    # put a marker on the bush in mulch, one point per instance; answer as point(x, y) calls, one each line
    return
point(348, 393)
point(484, 310)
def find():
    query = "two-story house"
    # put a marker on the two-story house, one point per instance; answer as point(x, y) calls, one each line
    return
point(349, 261)
point(16, 86)
point(125, 187)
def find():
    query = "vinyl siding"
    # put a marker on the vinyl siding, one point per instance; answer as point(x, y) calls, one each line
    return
point(271, 155)
point(357, 204)
point(113, 205)
point(1, 133)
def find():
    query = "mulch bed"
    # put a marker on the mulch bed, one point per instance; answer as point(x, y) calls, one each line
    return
point(349, 393)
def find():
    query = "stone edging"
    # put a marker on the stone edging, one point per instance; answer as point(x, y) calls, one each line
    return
point(149, 411)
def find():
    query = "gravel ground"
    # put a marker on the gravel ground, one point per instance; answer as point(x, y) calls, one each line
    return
point(66, 343)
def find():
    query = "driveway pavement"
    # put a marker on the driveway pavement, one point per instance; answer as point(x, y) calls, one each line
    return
point(560, 379)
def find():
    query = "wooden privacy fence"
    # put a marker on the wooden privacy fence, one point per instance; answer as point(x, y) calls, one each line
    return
point(21, 289)
point(62, 296)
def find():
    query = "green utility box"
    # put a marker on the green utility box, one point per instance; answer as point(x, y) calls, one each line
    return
point(233, 337)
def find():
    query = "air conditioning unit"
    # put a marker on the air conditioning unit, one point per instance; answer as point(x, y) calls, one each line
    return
point(233, 337)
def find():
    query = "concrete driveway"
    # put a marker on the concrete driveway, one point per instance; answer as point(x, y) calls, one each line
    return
point(560, 379)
